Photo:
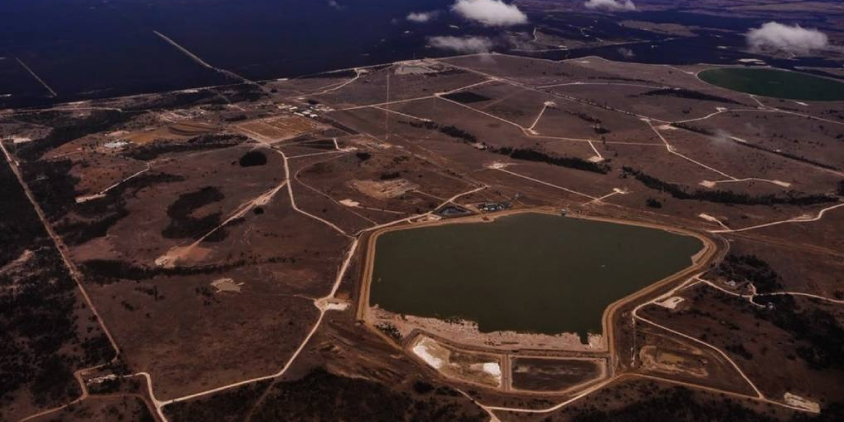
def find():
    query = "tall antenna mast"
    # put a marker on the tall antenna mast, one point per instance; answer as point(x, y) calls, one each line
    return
point(387, 108)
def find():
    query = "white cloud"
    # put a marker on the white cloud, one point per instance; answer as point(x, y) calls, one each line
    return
point(793, 39)
point(610, 4)
point(421, 17)
point(334, 5)
point(490, 12)
point(626, 53)
point(461, 44)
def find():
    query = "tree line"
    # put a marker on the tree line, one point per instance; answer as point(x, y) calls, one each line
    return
point(726, 197)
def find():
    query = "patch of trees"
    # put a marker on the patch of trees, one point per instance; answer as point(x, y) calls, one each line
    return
point(390, 175)
point(326, 144)
point(229, 405)
point(576, 163)
point(79, 232)
point(94, 218)
point(29, 352)
point(97, 349)
point(674, 404)
point(236, 118)
point(19, 223)
point(585, 117)
point(51, 118)
point(151, 291)
point(616, 78)
point(222, 233)
point(157, 148)
point(38, 303)
point(214, 107)
point(207, 295)
point(107, 271)
point(363, 156)
point(727, 197)
point(182, 222)
point(466, 97)
point(452, 131)
point(688, 94)
point(55, 189)
point(245, 92)
point(177, 100)
point(458, 133)
point(709, 132)
point(833, 412)
point(52, 184)
point(820, 334)
point(693, 128)
point(422, 387)
point(128, 408)
point(338, 125)
point(305, 399)
point(106, 387)
point(787, 155)
point(739, 350)
point(390, 331)
point(523, 154)
point(98, 121)
point(653, 203)
point(450, 72)
point(740, 268)
point(253, 158)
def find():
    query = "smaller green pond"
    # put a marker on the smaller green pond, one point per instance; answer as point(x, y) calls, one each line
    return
point(531, 272)
point(775, 83)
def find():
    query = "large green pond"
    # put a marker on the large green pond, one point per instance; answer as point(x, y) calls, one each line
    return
point(775, 83)
point(531, 272)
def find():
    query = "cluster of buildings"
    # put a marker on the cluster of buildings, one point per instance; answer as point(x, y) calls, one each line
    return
point(309, 110)
point(493, 206)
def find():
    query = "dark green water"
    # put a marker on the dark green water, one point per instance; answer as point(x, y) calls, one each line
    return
point(528, 272)
point(775, 83)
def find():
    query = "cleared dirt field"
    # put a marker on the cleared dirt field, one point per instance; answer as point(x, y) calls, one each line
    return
point(470, 368)
point(280, 128)
point(552, 374)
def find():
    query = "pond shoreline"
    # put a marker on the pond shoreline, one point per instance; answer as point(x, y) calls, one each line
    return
point(774, 83)
point(599, 342)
